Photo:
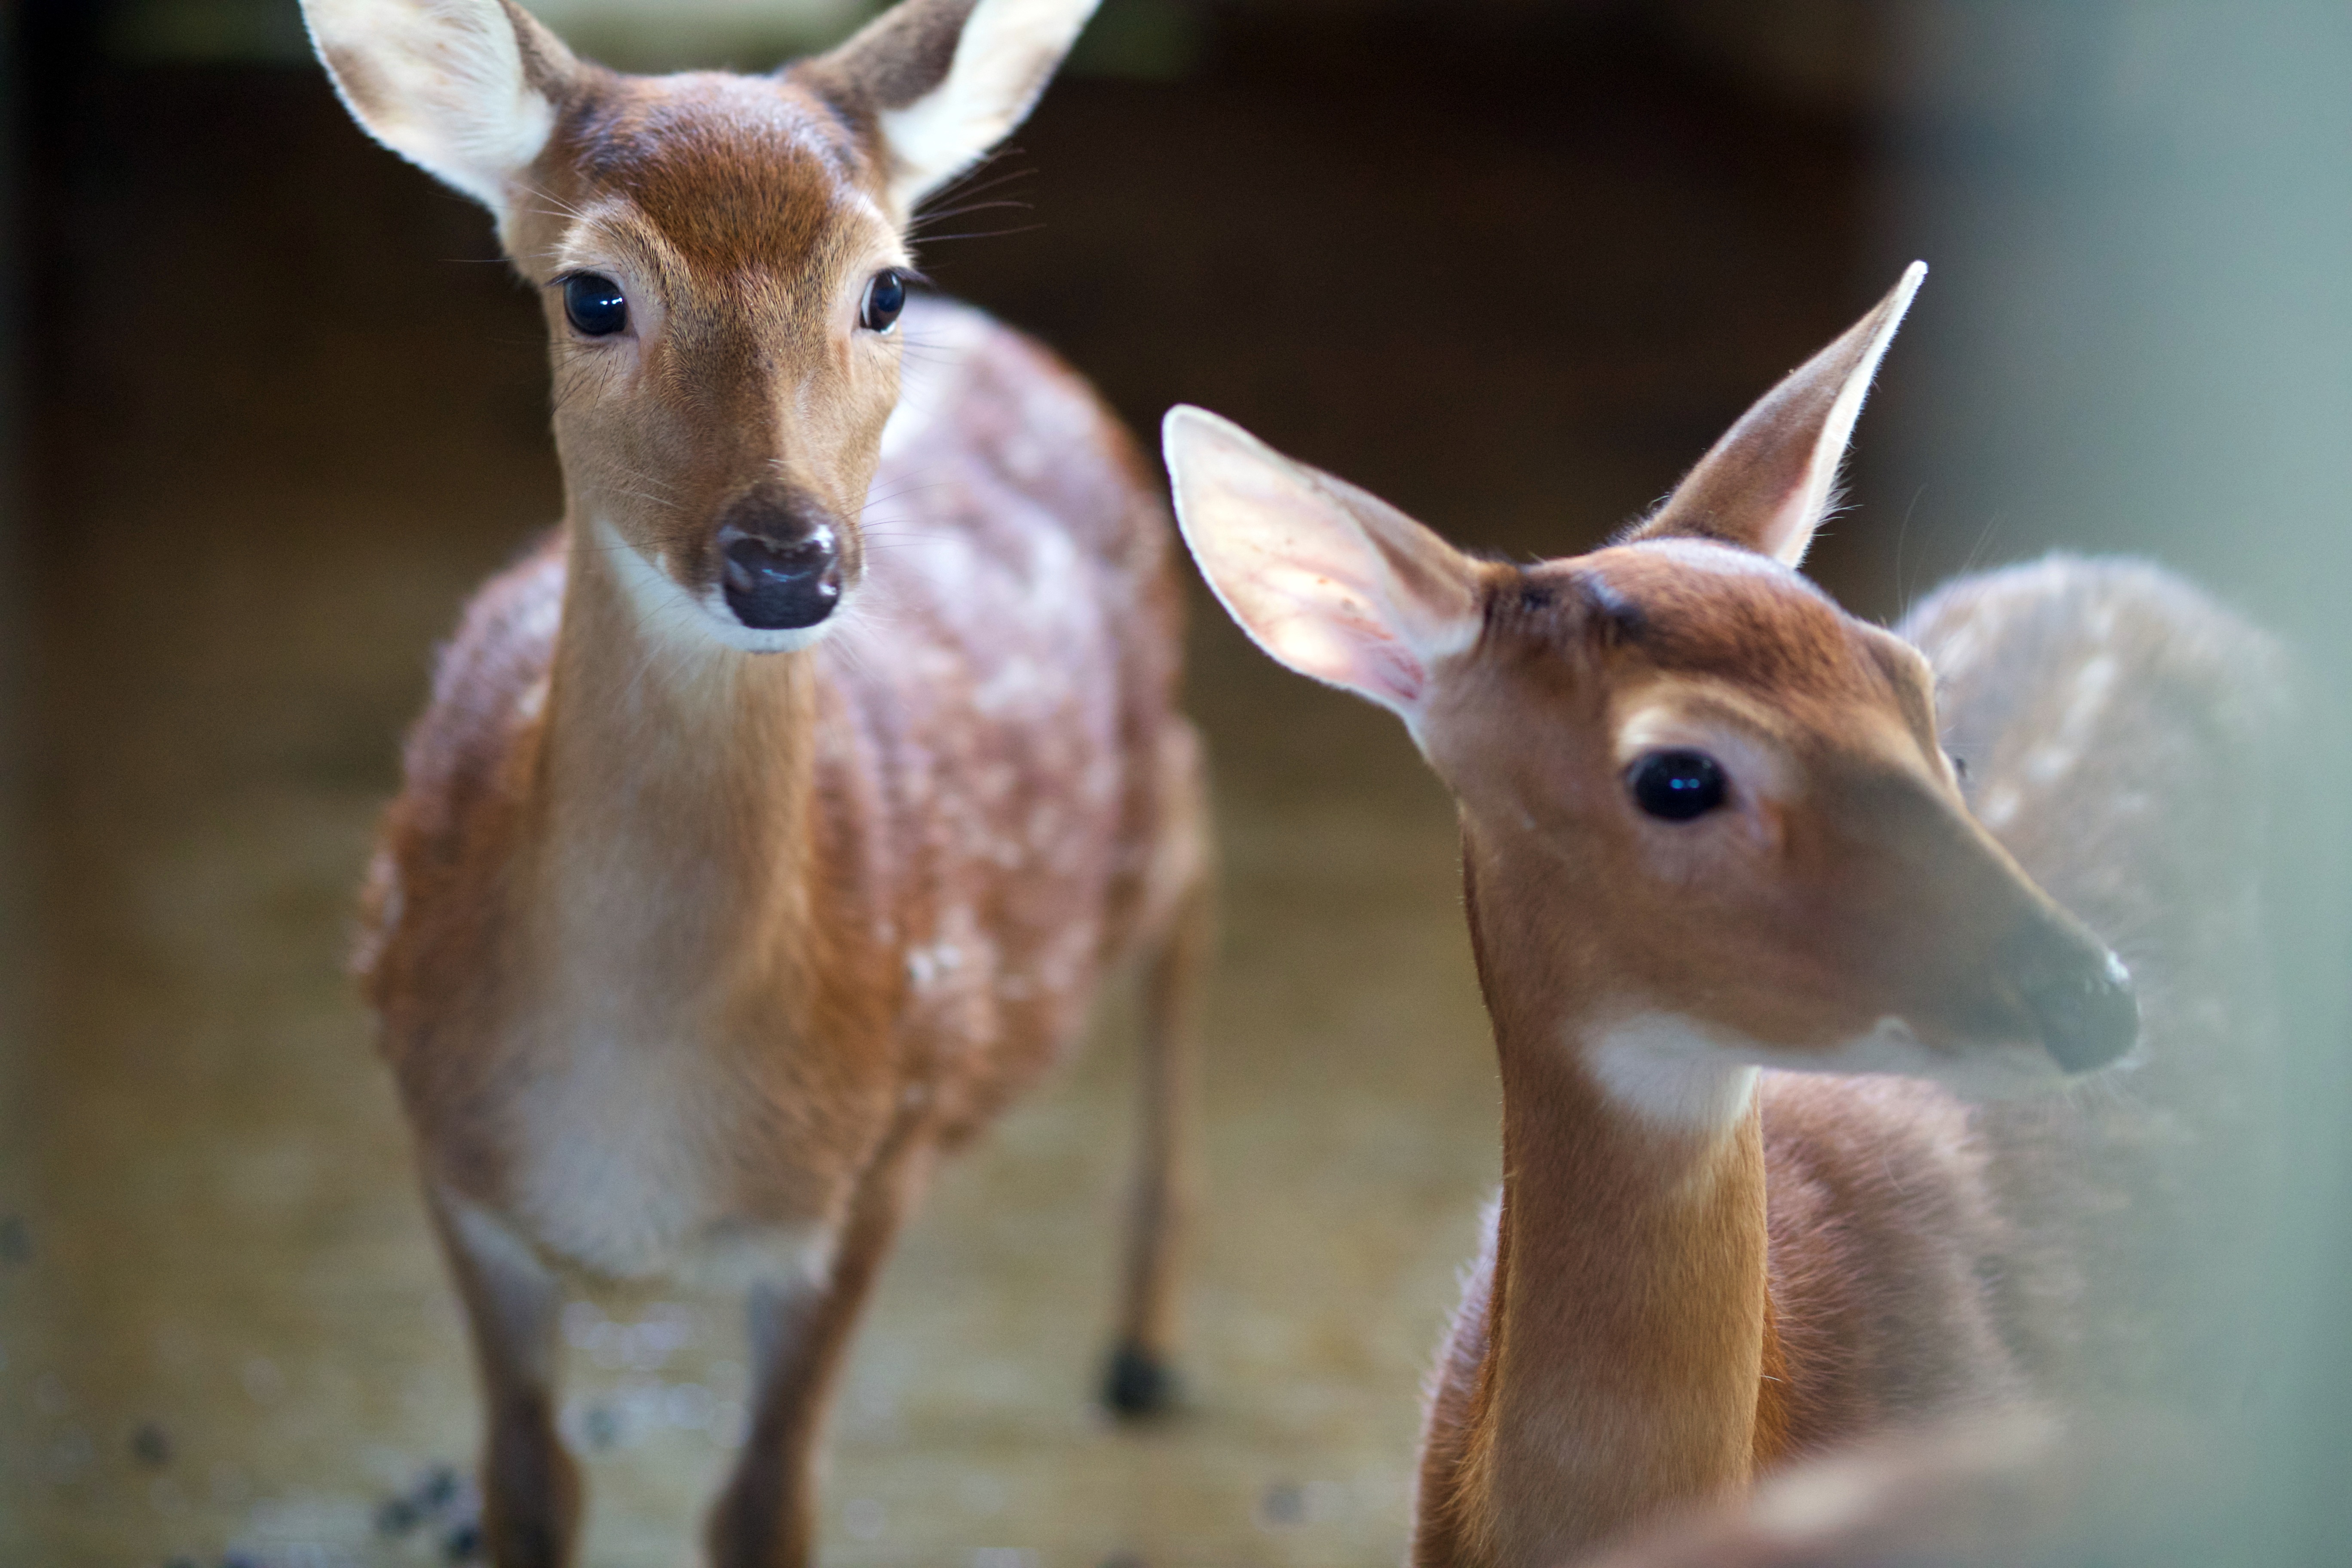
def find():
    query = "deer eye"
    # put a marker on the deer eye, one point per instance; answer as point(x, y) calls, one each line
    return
point(1677, 785)
point(885, 296)
point(594, 304)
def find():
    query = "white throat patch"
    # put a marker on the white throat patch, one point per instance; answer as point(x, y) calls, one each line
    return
point(1673, 1073)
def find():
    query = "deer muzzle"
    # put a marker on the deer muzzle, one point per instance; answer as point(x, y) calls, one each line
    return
point(780, 562)
point(2079, 994)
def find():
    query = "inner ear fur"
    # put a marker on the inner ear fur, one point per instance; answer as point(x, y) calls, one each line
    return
point(1329, 580)
point(1771, 479)
point(467, 89)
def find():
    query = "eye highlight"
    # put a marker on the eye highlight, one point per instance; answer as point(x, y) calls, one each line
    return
point(1676, 786)
point(885, 296)
point(594, 305)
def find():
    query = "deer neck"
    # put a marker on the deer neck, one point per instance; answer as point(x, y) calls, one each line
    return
point(1629, 1313)
point(673, 795)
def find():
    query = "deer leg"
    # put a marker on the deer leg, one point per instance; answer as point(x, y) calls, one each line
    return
point(799, 1326)
point(1141, 1379)
point(531, 1487)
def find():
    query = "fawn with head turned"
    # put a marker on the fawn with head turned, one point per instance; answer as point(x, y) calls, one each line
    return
point(2112, 715)
point(1708, 829)
point(743, 865)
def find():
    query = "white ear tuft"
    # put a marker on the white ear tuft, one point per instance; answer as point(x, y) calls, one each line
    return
point(1331, 581)
point(1767, 484)
point(467, 89)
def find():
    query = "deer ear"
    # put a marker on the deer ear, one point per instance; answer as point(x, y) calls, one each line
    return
point(1769, 483)
point(1332, 582)
point(465, 89)
point(945, 80)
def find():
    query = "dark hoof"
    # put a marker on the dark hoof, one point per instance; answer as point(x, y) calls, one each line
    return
point(1139, 1384)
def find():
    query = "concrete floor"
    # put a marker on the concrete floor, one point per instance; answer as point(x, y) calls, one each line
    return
point(288, 421)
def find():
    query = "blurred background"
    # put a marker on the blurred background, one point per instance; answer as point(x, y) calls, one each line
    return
point(272, 407)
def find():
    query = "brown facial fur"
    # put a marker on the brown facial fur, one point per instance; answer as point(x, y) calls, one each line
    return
point(1860, 889)
point(742, 220)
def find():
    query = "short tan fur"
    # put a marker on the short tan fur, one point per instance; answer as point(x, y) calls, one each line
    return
point(751, 852)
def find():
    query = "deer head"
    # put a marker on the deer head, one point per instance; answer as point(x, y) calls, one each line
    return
point(1693, 790)
point(723, 261)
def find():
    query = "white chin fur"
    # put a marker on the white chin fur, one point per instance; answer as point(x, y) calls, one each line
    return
point(669, 612)
point(1675, 1071)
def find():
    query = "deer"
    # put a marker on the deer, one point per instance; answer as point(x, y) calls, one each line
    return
point(750, 854)
point(2134, 1217)
point(1748, 957)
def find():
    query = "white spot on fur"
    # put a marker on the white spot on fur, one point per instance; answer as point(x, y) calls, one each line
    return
point(391, 898)
point(2056, 756)
point(926, 966)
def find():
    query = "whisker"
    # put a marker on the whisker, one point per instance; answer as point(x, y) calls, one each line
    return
point(983, 234)
point(1000, 203)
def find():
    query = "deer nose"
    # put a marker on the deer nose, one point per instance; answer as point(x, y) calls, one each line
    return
point(2082, 999)
point(780, 565)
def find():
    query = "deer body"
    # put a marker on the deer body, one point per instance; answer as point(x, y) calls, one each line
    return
point(1715, 861)
point(762, 841)
point(729, 915)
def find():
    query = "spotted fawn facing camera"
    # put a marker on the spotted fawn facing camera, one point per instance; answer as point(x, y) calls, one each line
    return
point(749, 856)
point(1749, 954)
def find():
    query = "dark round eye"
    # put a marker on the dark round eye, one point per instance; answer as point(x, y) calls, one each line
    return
point(594, 304)
point(885, 296)
point(1677, 785)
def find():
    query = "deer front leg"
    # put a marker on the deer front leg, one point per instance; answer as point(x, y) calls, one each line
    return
point(531, 1486)
point(800, 1327)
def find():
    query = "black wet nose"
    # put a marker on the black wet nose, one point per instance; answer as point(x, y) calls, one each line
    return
point(780, 568)
point(2087, 1011)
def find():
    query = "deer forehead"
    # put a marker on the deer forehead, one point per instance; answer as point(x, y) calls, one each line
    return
point(1726, 620)
point(1692, 606)
point(713, 178)
point(1691, 643)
